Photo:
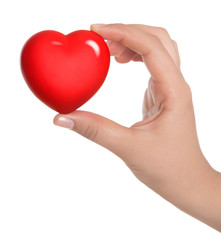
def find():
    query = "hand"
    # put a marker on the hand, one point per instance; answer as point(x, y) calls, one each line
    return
point(162, 150)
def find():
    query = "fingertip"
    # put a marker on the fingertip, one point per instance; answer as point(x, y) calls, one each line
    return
point(63, 121)
point(122, 60)
point(96, 26)
point(56, 118)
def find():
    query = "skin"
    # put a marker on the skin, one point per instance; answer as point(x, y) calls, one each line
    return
point(162, 150)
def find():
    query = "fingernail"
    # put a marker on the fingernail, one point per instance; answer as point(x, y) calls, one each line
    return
point(98, 24)
point(64, 122)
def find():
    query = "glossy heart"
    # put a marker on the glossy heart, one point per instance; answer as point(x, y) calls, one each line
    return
point(65, 71)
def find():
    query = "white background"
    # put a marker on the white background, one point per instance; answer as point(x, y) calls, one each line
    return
point(54, 184)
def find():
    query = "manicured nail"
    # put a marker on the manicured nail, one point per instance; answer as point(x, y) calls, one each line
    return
point(64, 122)
point(98, 24)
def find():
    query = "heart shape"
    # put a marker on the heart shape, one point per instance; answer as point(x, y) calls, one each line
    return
point(65, 71)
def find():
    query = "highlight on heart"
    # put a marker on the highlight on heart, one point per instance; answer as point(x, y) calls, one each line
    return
point(65, 71)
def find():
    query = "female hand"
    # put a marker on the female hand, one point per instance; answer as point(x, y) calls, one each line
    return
point(162, 150)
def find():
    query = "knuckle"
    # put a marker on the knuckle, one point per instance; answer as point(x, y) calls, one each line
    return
point(188, 92)
point(156, 40)
point(134, 25)
point(163, 31)
point(121, 26)
point(187, 95)
point(163, 34)
point(122, 30)
point(175, 43)
point(91, 131)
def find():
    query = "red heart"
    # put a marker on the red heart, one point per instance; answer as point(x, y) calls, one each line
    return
point(65, 71)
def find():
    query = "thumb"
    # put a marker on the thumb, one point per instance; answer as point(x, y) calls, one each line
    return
point(98, 129)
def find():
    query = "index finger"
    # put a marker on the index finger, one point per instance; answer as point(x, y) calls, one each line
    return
point(157, 59)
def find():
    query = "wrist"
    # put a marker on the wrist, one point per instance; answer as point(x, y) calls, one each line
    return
point(196, 190)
